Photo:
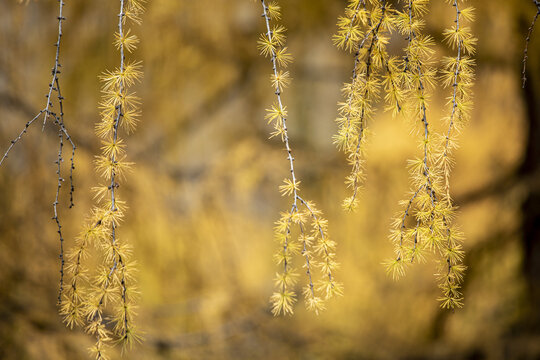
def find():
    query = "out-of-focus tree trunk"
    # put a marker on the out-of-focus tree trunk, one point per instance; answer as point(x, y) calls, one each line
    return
point(530, 168)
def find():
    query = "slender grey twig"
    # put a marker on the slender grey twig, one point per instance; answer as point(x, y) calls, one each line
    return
point(47, 111)
point(527, 40)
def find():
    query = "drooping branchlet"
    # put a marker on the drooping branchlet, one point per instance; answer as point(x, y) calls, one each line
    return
point(90, 297)
point(300, 230)
point(365, 31)
point(430, 206)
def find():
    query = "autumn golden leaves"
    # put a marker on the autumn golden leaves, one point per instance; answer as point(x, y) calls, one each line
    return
point(405, 82)
point(425, 225)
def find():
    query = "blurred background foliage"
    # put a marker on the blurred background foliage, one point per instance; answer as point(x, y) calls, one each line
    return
point(203, 193)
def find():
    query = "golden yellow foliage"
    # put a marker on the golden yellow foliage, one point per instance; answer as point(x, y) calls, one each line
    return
point(312, 243)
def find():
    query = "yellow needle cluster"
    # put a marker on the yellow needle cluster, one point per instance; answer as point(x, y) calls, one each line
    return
point(301, 231)
point(92, 299)
point(426, 222)
point(365, 32)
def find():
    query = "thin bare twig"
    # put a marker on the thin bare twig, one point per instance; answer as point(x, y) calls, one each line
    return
point(527, 40)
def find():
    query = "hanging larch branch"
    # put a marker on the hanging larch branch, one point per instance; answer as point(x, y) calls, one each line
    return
point(426, 224)
point(416, 75)
point(300, 230)
point(457, 73)
point(112, 287)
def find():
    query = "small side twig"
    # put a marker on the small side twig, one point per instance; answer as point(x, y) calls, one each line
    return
point(527, 41)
